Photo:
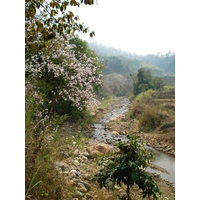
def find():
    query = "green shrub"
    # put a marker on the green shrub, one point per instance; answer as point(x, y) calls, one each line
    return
point(127, 165)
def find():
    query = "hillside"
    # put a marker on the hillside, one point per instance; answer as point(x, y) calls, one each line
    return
point(118, 61)
point(119, 84)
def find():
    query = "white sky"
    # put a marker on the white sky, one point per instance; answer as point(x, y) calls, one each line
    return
point(137, 26)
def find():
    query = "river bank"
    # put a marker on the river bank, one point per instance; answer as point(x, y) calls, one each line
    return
point(79, 153)
point(113, 128)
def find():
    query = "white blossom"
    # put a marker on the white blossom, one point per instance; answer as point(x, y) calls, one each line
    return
point(79, 75)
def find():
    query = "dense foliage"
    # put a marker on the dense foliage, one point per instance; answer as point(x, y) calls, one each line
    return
point(146, 82)
point(127, 165)
point(60, 71)
point(64, 74)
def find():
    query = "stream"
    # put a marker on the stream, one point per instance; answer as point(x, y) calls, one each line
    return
point(104, 135)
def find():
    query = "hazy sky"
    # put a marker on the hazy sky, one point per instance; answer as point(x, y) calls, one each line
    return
point(137, 26)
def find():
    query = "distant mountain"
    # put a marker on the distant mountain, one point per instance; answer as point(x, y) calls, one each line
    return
point(102, 50)
point(121, 65)
point(118, 61)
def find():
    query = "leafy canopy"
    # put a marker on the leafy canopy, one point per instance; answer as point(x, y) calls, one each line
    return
point(146, 82)
point(43, 19)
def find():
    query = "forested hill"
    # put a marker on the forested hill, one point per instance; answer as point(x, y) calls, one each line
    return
point(118, 61)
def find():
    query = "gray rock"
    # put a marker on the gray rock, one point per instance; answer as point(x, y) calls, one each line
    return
point(84, 158)
point(86, 154)
point(78, 194)
point(73, 174)
point(98, 150)
point(83, 189)
point(89, 196)
point(86, 176)
point(76, 152)
point(76, 162)
point(73, 171)
point(115, 133)
point(87, 185)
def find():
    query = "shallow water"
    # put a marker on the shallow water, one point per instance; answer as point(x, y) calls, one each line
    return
point(104, 135)
point(165, 161)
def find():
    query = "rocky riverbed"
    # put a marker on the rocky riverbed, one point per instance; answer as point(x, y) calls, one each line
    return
point(78, 164)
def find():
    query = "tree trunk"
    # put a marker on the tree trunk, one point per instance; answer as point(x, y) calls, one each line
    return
point(53, 104)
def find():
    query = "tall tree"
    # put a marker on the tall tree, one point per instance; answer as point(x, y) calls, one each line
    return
point(144, 81)
point(43, 19)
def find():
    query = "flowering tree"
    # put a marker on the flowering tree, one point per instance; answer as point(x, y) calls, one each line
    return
point(57, 71)
point(58, 74)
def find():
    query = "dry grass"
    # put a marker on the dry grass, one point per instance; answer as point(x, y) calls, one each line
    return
point(149, 119)
point(154, 109)
point(158, 115)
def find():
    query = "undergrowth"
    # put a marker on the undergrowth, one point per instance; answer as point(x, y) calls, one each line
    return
point(43, 139)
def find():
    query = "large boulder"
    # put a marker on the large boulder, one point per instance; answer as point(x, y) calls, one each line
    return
point(94, 153)
point(115, 133)
point(98, 150)
point(113, 119)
